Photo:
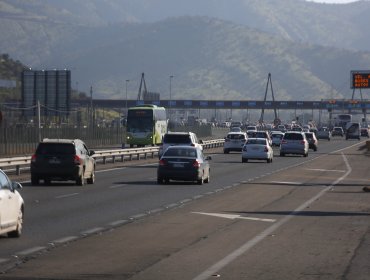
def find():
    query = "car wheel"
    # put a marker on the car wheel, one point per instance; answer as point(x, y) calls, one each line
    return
point(226, 151)
point(35, 180)
point(166, 181)
point(81, 179)
point(268, 160)
point(159, 180)
point(200, 181)
point(207, 180)
point(47, 181)
point(282, 154)
point(18, 231)
point(91, 180)
point(305, 155)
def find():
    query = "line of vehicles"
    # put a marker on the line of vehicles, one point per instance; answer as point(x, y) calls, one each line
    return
point(181, 156)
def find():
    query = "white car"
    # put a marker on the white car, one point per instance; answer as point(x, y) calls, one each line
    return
point(257, 148)
point(11, 207)
point(234, 141)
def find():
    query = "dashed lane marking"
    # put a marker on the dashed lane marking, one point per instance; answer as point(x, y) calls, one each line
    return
point(66, 195)
point(117, 186)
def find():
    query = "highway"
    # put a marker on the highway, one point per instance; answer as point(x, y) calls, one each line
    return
point(297, 218)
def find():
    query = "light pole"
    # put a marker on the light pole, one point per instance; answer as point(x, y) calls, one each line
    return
point(127, 81)
point(171, 77)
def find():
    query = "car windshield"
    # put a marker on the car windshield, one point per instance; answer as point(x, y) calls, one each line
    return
point(261, 134)
point(181, 153)
point(55, 149)
point(175, 139)
point(256, 141)
point(236, 136)
point(293, 136)
point(309, 135)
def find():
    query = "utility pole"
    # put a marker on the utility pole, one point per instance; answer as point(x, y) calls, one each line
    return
point(170, 105)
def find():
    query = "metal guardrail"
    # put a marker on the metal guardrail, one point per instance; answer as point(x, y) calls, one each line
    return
point(104, 156)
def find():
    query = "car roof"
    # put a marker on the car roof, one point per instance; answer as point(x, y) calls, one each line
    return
point(183, 147)
point(179, 133)
point(64, 141)
point(259, 138)
point(236, 132)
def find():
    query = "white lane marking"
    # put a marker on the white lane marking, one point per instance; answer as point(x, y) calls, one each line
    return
point(117, 186)
point(111, 169)
point(254, 241)
point(233, 217)
point(66, 195)
point(325, 170)
point(64, 240)
point(286, 183)
point(30, 251)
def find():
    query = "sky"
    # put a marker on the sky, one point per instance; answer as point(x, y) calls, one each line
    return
point(334, 1)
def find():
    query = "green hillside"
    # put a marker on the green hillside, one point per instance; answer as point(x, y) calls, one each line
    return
point(209, 58)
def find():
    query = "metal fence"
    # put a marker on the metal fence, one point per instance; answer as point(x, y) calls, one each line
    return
point(23, 140)
point(15, 141)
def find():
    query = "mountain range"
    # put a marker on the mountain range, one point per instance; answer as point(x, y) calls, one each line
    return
point(215, 49)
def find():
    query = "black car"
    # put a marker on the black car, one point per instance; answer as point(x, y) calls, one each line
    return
point(183, 163)
point(62, 160)
point(365, 132)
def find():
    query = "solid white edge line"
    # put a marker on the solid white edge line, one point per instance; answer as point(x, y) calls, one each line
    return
point(258, 238)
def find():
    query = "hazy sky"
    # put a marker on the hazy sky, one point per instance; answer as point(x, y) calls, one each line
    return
point(333, 1)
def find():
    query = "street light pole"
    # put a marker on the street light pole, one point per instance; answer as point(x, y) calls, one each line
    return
point(171, 77)
point(127, 81)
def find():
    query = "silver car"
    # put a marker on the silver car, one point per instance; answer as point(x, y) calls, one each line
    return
point(294, 142)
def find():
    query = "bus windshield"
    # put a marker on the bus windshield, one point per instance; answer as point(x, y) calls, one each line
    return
point(143, 124)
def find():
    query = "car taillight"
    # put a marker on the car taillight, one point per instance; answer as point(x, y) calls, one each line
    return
point(266, 149)
point(77, 160)
point(196, 164)
point(303, 142)
point(162, 162)
point(284, 142)
point(192, 145)
point(33, 158)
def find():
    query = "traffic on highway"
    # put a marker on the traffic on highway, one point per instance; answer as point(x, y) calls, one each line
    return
point(157, 222)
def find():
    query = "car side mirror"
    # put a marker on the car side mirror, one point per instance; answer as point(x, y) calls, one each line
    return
point(91, 153)
point(208, 157)
point(201, 141)
point(16, 186)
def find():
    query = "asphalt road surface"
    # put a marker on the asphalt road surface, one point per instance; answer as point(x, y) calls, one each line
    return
point(296, 218)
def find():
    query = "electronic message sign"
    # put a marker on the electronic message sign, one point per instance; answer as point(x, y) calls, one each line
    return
point(360, 79)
